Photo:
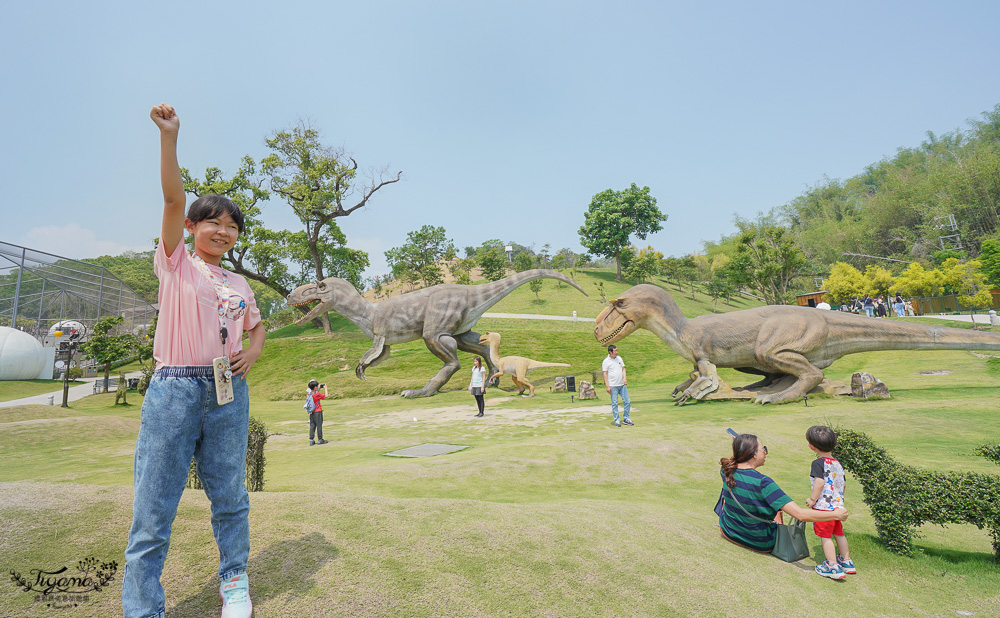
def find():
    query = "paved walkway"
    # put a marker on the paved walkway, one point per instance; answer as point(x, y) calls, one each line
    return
point(537, 316)
point(980, 318)
point(82, 388)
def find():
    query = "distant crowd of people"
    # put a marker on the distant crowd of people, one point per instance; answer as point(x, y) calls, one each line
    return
point(878, 307)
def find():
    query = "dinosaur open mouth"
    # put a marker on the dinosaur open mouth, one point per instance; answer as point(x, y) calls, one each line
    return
point(305, 302)
point(615, 332)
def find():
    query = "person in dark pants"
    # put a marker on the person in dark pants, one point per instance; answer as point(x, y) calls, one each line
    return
point(477, 385)
point(316, 416)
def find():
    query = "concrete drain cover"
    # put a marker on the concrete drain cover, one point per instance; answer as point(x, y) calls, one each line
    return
point(427, 450)
point(935, 372)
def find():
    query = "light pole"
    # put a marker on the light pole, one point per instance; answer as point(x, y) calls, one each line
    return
point(71, 348)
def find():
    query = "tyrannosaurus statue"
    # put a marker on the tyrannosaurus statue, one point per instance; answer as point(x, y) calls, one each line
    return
point(517, 366)
point(442, 315)
point(776, 341)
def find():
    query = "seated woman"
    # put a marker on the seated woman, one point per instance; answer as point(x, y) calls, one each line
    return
point(759, 495)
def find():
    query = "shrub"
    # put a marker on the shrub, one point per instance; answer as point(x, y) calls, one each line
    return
point(901, 498)
point(255, 459)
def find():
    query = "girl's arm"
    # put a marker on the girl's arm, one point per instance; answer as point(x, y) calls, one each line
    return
point(802, 514)
point(172, 230)
point(816, 492)
point(245, 358)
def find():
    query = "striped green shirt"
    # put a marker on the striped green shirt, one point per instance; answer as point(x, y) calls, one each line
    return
point(762, 497)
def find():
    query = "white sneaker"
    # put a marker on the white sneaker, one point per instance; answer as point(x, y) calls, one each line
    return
point(235, 593)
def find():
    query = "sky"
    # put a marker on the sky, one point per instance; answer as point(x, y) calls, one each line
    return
point(505, 118)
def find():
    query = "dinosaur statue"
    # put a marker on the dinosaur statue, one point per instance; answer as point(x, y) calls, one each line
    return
point(517, 366)
point(442, 315)
point(789, 346)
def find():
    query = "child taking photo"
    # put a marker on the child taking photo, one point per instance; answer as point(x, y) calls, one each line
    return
point(197, 403)
point(827, 477)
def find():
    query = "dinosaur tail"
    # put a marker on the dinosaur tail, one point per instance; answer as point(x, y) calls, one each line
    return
point(538, 365)
point(905, 336)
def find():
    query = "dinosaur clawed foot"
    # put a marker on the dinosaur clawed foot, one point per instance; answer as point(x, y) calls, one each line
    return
point(683, 399)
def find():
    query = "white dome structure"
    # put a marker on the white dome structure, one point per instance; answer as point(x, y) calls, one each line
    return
point(68, 326)
point(21, 356)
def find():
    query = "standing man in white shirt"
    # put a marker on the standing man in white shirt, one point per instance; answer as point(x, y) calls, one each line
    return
point(616, 383)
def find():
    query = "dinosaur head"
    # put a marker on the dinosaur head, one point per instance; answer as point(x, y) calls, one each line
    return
point(331, 293)
point(488, 338)
point(627, 313)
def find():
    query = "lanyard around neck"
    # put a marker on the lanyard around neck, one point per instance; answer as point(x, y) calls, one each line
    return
point(221, 292)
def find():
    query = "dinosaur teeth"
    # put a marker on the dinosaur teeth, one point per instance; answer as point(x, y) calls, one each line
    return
point(615, 332)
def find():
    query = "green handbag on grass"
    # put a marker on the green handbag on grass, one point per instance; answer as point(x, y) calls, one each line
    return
point(790, 539)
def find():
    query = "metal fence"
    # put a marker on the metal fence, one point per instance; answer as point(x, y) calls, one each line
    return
point(39, 289)
point(948, 304)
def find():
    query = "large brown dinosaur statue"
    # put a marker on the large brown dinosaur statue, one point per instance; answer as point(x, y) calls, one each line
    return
point(516, 366)
point(442, 315)
point(777, 341)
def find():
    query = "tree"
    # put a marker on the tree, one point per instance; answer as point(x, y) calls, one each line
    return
point(614, 216)
point(878, 281)
point(989, 256)
point(461, 270)
point(316, 181)
point(766, 259)
point(719, 286)
point(107, 349)
point(421, 254)
point(686, 272)
point(644, 265)
point(523, 261)
point(535, 286)
point(969, 283)
point(543, 256)
point(844, 282)
point(912, 282)
point(492, 259)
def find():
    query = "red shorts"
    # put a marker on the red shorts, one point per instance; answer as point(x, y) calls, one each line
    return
point(828, 529)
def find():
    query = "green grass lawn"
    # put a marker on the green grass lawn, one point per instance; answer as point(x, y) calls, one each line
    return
point(16, 389)
point(550, 511)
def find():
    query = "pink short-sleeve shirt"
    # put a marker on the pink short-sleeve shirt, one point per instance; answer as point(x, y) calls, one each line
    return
point(187, 331)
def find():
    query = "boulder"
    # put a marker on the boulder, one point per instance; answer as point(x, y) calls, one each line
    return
point(560, 384)
point(587, 390)
point(866, 386)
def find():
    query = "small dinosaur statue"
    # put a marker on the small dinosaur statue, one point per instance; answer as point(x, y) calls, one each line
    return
point(517, 366)
point(775, 341)
point(442, 315)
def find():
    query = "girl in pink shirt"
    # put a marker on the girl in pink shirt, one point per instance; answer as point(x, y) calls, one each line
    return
point(203, 311)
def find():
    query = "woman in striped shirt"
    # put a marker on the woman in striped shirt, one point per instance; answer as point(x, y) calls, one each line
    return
point(759, 495)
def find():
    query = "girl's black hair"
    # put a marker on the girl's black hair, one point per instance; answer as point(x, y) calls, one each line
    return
point(212, 206)
point(745, 448)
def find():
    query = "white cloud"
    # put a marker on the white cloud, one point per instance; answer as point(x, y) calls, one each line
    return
point(74, 241)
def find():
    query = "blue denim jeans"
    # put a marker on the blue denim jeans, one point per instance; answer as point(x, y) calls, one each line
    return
point(181, 420)
point(623, 391)
point(870, 311)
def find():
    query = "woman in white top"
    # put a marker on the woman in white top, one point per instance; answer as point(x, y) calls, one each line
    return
point(477, 386)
